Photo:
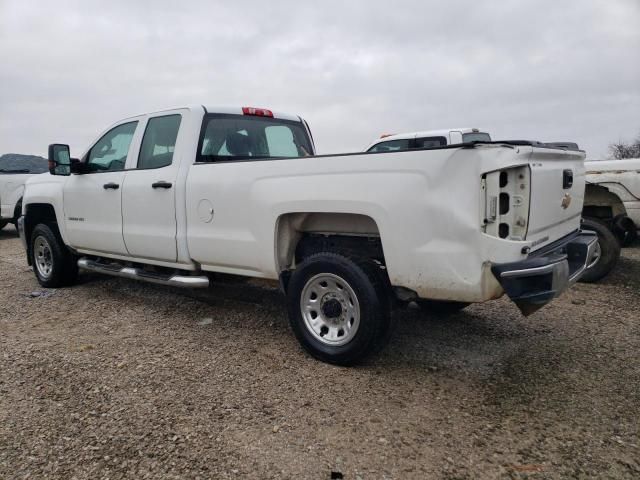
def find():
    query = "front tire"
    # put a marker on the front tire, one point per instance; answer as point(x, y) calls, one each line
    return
point(53, 264)
point(339, 307)
point(607, 251)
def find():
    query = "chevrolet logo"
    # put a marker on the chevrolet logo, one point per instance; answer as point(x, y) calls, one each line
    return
point(566, 201)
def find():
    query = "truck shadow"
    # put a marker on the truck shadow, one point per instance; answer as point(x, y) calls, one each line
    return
point(490, 346)
point(627, 270)
point(472, 341)
point(8, 232)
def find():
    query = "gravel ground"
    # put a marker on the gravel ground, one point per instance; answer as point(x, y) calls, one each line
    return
point(119, 379)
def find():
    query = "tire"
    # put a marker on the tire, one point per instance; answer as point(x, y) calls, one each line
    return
point(339, 307)
point(609, 251)
point(441, 307)
point(625, 230)
point(54, 265)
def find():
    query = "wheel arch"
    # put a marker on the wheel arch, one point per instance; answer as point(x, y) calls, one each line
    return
point(342, 230)
point(36, 213)
point(600, 202)
point(17, 211)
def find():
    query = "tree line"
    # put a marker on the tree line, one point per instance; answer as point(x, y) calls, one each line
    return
point(622, 149)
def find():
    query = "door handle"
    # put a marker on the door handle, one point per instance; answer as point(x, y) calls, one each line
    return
point(161, 184)
point(111, 186)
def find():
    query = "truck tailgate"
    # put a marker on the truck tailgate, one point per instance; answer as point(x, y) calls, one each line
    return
point(557, 194)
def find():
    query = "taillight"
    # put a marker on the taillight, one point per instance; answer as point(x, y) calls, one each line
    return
point(506, 202)
point(258, 112)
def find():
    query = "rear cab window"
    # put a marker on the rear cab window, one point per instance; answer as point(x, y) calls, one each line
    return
point(391, 145)
point(228, 137)
point(476, 137)
point(430, 142)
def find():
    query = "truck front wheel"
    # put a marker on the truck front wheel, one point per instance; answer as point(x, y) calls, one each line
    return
point(53, 264)
point(339, 307)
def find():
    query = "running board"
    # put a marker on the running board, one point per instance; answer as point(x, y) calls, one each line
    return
point(184, 281)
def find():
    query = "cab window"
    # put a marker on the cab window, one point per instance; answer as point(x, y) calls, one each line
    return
point(391, 145)
point(227, 137)
point(159, 141)
point(476, 137)
point(110, 152)
point(430, 142)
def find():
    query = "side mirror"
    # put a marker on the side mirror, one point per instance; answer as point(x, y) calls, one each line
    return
point(59, 159)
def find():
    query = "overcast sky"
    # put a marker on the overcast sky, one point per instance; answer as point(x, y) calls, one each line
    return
point(539, 69)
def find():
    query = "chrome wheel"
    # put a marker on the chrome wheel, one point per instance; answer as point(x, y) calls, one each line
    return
point(330, 309)
point(43, 257)
point(597, 253)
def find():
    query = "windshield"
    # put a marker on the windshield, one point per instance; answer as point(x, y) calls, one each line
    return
point(476, 137)
point(236, 137)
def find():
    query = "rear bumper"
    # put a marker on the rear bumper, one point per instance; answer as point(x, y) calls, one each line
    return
point(544, 275)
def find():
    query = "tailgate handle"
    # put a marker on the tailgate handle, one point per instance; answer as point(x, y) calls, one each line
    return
point(567, 179)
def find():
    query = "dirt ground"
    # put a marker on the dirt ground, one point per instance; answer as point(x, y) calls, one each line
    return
point(119, 379)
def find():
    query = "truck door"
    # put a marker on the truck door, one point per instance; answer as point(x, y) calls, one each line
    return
point(93, 200)
point(149, 194)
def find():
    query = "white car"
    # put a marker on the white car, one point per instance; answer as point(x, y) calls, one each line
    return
point(427, 139)
point(613, 195)
point(14, 172)
point(174, 196)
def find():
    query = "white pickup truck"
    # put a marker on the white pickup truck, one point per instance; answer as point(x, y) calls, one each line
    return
point(14, 172)
point(428, 138)
point(613, 196)
point(173, 196)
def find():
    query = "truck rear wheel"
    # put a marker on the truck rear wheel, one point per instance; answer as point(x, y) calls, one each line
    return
point(607, 251)
point(53, 264)
point(339, 307)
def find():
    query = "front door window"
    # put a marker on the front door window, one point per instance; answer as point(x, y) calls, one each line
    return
point(109, 154)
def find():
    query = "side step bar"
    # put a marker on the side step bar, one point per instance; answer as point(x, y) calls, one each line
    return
point(139, 274)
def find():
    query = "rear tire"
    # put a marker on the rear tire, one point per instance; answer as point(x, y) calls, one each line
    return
point(609, 251)
point(625, 230)
point(54, 265)
point(441, 308)
point(339, 307)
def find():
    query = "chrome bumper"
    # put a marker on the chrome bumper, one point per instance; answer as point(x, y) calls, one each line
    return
point(534, 282)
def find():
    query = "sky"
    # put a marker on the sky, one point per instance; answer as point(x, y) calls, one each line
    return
point(543, 70)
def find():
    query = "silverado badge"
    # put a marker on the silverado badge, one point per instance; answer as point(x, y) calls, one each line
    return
point(566, 201)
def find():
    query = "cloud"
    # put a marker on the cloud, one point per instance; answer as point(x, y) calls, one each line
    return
point(541, 69)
